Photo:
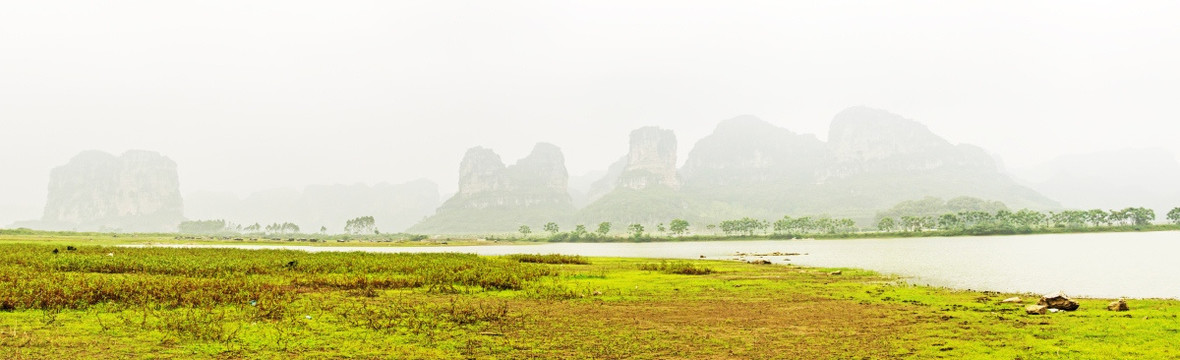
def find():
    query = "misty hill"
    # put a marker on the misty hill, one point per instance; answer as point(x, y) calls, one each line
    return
point(882, 158)
point(643, 186)
point(872, 160)
point(932, 206)
point(393, 207)
point(96, 191)
point(1110, 179)
point(493, 197)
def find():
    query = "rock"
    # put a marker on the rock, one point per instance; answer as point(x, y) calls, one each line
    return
point(837, 272)
point(1119, 305)
point(1036, 309)
point(1012, 300)
point(1058, 301)
point(494, 197)
point(760, 262)
point(137, 191)
point(651, 160)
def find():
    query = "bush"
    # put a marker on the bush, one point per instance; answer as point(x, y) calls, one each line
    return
point(677, 267)
point(549, 259)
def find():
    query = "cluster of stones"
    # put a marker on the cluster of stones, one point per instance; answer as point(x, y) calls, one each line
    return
point(1060, 302)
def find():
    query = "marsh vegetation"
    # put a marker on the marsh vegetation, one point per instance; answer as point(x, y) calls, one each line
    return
point(116, 302)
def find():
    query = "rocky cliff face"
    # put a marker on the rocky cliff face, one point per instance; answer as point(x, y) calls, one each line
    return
point(485, 182)
point(651, 160)
point(138, 191)
point(481, 171)
point(493, 197)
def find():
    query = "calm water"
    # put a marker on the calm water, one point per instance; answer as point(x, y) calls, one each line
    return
point(1138, 265)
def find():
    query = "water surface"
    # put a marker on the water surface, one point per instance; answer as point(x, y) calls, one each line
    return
point(1133, 265)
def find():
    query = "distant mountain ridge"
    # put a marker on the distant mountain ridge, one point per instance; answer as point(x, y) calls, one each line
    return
point(873, 159)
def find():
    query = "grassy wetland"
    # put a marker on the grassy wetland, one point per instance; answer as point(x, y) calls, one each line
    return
point(98, 301)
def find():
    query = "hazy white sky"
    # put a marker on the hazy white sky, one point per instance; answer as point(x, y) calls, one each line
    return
point(248, 95)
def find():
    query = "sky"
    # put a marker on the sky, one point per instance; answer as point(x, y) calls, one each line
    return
point(253, 95)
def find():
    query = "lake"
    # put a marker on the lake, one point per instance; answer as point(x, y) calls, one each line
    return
point(1109, 265)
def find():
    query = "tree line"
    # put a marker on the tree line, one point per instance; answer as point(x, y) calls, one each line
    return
point(973, 222)
point(1024, 220)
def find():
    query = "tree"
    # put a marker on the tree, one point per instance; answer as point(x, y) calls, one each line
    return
point(744, 226)
point(603, 228)
point(289, 228)
point(886, 224)
point(323, 229)
point(1141, 216)
point(1027, 219)
point(253, 228)
point(636, 230)
point(202, 227)
point(660, 228)
point(912, 223)
point(1174, 215)
point(949, 221)
point(360, 225)
point(783, 225)
point(525, 230)
point(1119, 217)
point(1097, 217)
point(552, 228)
point(846, 225)
point(678, 226)
point(804, 224)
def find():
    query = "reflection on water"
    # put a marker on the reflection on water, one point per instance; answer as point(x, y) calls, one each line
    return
point(1139, 265)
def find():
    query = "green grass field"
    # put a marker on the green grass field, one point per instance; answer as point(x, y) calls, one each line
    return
point(115, 302)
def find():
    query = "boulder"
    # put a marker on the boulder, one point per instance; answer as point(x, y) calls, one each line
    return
point(837, 272)
point(1119, 305)
point(1058, 301)
point(1012, 300)
point(1036, 309)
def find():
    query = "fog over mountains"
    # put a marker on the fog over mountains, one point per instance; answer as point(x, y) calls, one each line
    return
point(136, 191)
point(871, 160)
point(1110, 179)
point(746, 167)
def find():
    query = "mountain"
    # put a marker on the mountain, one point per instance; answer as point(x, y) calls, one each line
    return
point(746, 150)
point(643, 186)
point(393, 207)
point(493, 197)
point(1111, 179)
point(97, 191)
point(881, 158)
point(872, 160)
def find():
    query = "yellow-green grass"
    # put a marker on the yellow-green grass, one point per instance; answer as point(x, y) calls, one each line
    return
point(230, 303)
